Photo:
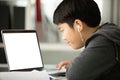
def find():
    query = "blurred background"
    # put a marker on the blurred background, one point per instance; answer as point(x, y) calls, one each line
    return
point(38, 15)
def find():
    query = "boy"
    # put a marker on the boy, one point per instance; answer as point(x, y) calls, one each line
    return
point(79, 20)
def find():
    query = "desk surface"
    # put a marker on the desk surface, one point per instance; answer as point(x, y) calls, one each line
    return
point(50, 68)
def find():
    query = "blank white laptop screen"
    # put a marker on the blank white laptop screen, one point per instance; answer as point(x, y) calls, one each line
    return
point(22, 49)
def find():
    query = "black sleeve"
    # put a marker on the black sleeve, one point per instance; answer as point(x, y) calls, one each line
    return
point(96, 59)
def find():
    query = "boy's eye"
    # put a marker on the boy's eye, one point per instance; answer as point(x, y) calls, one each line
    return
point(61, 30)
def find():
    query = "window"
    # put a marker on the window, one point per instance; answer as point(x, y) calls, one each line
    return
point(50, 33)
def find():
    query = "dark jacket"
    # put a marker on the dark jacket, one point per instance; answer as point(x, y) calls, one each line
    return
point(99, 60)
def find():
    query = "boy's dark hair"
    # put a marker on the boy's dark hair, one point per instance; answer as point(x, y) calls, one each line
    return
point(84, 10)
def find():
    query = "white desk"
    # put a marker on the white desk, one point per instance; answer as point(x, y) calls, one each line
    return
point(50, 69)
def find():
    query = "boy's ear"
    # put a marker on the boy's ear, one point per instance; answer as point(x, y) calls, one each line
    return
point(78, 24)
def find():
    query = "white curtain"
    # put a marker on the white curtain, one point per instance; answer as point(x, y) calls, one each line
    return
point(111, 11)
point(116, 12)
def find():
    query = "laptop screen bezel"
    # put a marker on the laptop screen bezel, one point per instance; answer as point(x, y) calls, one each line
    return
point(21, 31)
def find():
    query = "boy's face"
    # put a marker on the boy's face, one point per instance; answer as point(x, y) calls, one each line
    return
point(70, 35)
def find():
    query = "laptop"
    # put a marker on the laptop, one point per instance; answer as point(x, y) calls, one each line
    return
point(22, 50)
